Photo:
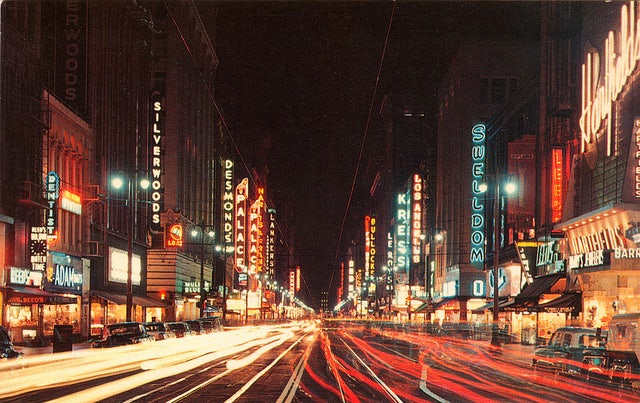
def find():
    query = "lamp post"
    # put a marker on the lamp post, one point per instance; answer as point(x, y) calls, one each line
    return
point(203, 295)
point(509, 188)
point(132, 193)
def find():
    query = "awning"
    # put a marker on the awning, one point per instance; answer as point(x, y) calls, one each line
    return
point(566, 303)
point(554, 283)
point(443, 302)
point(121, 299)
point(501, 306)
point(24, 295)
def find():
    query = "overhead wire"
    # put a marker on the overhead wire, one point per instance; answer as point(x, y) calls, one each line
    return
point(364, 137)
point(217, 107)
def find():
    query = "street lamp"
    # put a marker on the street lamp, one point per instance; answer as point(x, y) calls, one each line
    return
point(509, 188)
point(132, 193)
point(194, 232)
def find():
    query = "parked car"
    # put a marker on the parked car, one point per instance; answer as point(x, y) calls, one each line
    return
point(124, 333)
point(181, 329)
point(160, 330)
point(212, 322)
point(6, 346)
point(196, 326)
point(568, 349)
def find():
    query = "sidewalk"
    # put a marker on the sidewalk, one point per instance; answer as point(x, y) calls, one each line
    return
point(48, 349)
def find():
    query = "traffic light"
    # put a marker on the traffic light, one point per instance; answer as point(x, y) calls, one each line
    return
point(163, 295)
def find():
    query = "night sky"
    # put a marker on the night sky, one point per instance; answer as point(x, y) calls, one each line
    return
point(296, 84)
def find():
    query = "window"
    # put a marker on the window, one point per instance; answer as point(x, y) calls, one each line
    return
point(498, 90)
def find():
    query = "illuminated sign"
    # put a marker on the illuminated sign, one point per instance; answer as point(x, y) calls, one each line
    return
point(71, 202)
point(298, 278)
point(605, 238)
point(416, 219)
point(227, 202)
point(270, 255)
point(256, 234)
point(390, 261)
point(478, 138)
point(118, 267)
point(155, 154)
point(372, 248)
point(21, 276)
point(193, 287)
point(351, 277)
point(38, 248)
point(589, 259)
point(174, 236)
point(556, 185)
point(64, 273)
point(53, 192)
point(292, 282)
point(71, 53)
point(402, 234)
point(599, 91)
point(635, 156)
point(240, 229)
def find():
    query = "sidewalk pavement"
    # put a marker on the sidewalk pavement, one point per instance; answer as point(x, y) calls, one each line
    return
point(48, 349)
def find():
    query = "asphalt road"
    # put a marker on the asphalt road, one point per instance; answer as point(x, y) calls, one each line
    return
point(298, 362)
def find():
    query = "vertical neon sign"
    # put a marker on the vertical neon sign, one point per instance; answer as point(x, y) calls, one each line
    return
point(157, 132)
point(416, 219)
point(556, 185)
point(478, 149)
point(227, 202)
point(242, 194)
point(401, 234)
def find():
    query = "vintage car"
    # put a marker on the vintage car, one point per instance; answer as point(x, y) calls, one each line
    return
point(568, 348)
point(6, 346)
point(181, 329)
point(123, 333)
point(159, 330)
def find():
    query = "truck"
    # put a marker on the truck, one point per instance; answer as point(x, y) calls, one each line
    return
point(621, 359)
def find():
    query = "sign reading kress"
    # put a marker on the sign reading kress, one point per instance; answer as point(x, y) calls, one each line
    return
point(156, 164)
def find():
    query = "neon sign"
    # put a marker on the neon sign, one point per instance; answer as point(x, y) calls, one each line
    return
point(416, 219)
point(227, 202)
point(401, 233)
point(53, 192)
point(71, 202)
point(157, 132)
point(556, 185)
point(256, 234)
point(174, 236)
point(597, 101)
point(270, 255)
point(478, 150)
point(241, 196)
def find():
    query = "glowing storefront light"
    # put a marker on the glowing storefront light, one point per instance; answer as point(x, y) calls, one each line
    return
point(118, 262)
point(478, 151)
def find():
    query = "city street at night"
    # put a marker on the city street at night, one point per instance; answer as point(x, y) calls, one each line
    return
point(334, 361)
point(319, 201)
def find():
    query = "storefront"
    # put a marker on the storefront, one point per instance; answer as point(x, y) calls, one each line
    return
point(603, 251)
point(32, 312)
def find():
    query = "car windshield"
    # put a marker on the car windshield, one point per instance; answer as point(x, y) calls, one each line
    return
point(122, 330)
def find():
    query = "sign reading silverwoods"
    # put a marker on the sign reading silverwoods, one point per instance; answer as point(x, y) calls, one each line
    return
point(155, 154)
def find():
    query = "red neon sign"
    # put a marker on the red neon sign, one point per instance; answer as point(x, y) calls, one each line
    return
point(556, 185)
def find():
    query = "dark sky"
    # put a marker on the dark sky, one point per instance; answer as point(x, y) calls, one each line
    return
point(296, 82)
